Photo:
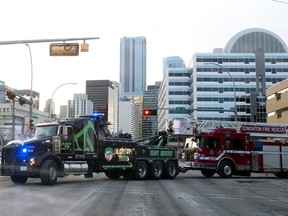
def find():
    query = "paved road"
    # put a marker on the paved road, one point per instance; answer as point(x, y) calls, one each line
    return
point(189, 194)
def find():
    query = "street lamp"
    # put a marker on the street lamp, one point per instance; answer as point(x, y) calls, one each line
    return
point(50, 107)
point(224, 69)
point(31, 82)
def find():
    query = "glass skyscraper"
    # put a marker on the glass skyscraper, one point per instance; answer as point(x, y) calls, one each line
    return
point(132, 66)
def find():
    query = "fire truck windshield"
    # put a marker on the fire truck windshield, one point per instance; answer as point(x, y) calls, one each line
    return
point(202, 142)
point(47, 130)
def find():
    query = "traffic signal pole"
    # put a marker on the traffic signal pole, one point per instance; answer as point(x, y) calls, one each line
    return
point(13, 119)
point(27, 42)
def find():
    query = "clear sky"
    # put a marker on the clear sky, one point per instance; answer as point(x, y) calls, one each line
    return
point(171, 27)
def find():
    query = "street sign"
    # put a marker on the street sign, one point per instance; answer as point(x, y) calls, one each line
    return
point(64, 49)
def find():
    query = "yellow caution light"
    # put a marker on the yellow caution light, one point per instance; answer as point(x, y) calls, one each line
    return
point(84, 47)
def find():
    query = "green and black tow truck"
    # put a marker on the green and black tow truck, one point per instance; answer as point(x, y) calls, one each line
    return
point(84, 145)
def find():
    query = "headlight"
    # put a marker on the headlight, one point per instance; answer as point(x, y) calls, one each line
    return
point(32, 161)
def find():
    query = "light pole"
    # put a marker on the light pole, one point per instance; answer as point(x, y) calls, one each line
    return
point(224, 69)
point(50, 107)
point(31, 97)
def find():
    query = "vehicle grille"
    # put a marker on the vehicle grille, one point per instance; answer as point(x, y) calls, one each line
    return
point(8, 156)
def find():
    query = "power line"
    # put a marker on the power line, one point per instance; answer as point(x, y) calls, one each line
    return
point(283, 2)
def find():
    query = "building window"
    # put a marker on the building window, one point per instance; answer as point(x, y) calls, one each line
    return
point(278, 96)
point(279, 115)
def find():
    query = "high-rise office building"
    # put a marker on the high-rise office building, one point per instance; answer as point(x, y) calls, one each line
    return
point(229, 84)
point(132, 66)
point(129, 118)
point(150, 101)
point(104, 95)
point(80, 105)
point(174, 92)
point(172, 62)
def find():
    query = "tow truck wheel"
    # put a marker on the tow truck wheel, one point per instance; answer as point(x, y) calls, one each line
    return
point(170, 170)
point(156, 170)
point(49, 172)
point(225, 169)
point(208, 172)
point(113, 174)
point(18, 179)
point(128, 175)
point(141, 171)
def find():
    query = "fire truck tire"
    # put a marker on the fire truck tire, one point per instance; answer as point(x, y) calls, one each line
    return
point(208, 172)
point(281, 175)
point(156, 170)
point(113, 174)
point(170, 170)
point(141, 171)
point(19, 179)
point(225, 169)
point(49, 172)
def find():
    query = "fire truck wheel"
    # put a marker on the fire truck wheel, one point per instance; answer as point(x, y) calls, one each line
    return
point(225, 169)
point(281, 175)
point(170, 170)
point(113, 174)
point(18, 179)
point(156, 170)
point(49, 172)
point(208, 172)
point(141, 171)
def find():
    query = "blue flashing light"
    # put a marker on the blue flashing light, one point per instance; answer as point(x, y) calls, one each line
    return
point(95, 114)
point(24, 150)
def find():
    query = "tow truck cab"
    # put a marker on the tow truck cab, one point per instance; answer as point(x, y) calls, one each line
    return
point(68, 145)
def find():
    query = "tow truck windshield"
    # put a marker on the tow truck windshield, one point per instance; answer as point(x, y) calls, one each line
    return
point(47, 130)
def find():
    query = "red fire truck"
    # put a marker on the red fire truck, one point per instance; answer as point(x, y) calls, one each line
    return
point(239, 149)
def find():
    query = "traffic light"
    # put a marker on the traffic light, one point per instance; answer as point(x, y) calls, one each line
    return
point(10, 95)
point(30, 123)
point(21, 101)
point(149, 112)
point(170, 127)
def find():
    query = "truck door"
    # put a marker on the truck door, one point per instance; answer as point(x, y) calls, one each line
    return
point(213, 147)
point(67, 140)
point(238, 151)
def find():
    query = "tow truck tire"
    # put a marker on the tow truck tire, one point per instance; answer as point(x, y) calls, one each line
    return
point(19, 179)
point(156, 170)
point(128, 175)
point(49, 172)
point(170, 170)
point(113, 174)
point(225, 169)
point(141, 171)
point(208, 172)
